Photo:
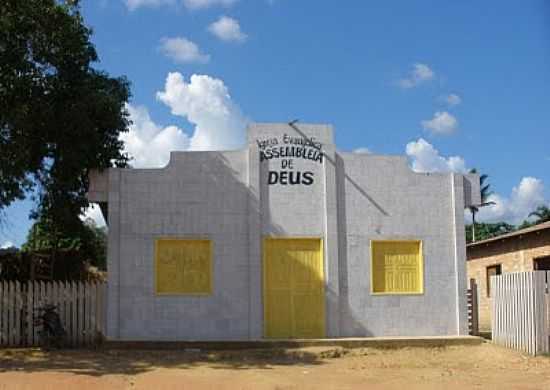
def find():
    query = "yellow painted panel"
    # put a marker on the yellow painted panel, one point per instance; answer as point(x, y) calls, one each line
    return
point(183, 266)
point(294, 301)
point(397, 267)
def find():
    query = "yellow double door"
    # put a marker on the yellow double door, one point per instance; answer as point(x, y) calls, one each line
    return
point(294, 298)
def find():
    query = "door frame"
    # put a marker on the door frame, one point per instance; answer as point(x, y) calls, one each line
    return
point(264, 277)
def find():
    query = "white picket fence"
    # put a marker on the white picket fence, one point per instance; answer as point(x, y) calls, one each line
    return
point(81, 307)
point(521, 311)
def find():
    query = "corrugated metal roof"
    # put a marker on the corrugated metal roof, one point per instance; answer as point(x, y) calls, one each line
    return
point(530, 229)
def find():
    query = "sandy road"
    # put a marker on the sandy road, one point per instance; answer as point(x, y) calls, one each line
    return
point(466, 367)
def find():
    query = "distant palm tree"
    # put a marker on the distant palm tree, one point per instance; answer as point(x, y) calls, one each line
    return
point(542, 213)
point(485, 194)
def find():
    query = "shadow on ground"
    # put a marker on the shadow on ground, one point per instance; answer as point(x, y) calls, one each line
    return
point(130, 362)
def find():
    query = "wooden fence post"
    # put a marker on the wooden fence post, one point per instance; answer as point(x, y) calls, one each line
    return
point(30, 322)
point(11, 314)
point(102, 309)
point(473, 310)
point(541, 316)
point(67, 299)
point(74, 325)
point(35, 304)
point(80, 313)
point(17, 314)
point(93, 311)
point(548, 303)
point(2, 310)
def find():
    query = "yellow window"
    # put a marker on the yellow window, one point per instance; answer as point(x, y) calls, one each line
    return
point(183, 266)
point(396, 267)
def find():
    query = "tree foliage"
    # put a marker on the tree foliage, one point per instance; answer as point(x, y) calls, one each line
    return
point(488, 230)
point(59, 116)
point(542, 214)
point(70, 257)
point(485, 191)
point(474, 209)
point(89, 243)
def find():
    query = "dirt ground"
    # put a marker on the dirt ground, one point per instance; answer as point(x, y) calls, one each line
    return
point(466, 367)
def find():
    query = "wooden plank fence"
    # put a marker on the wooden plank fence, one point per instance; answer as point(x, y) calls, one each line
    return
point(520, 312)
point(81, 308)
point(473, 310)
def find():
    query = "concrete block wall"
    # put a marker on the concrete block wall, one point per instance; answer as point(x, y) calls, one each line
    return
point(382, 199)
point(198, 195)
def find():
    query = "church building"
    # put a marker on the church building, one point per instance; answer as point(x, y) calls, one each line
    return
point(286, 238)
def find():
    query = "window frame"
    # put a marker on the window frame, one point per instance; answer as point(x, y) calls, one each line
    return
point(488, 279)
point(210, 289)
point(421, 267)
point(538, 260)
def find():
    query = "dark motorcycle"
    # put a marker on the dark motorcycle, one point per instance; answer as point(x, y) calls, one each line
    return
point(52, 333)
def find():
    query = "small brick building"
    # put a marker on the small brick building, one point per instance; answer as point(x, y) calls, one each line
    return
point(523, 250)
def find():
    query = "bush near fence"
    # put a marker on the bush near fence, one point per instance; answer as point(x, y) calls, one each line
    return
point(63, 264)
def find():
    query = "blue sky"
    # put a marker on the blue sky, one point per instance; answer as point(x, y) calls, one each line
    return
point(453, 85)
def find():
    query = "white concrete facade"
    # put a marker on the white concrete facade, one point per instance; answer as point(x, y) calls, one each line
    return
point(232, 198)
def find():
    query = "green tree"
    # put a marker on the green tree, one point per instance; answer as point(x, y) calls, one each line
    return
point(89, 243)
point(485, 194)
point(488, 230)
point(542, 213)
point(59, 116)
point(98, 242)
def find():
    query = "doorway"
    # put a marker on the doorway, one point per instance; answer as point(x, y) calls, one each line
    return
point(294, 297)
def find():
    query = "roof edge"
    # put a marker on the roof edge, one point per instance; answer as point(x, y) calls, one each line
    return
point(531, 229)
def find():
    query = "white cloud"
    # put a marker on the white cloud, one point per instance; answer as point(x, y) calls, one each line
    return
point(201, 4)
point(6, 245)
point(513, 209)
point(93, 212)
point(525, 198)
point(227, 29)
point(206, 103)
point(362, 151)
point(441, 123)
point(134, 4)
point(425, 158)
point(182, 50)
point(452, 100)
point(419, 74)
point(148, 144)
